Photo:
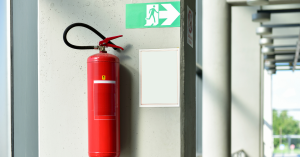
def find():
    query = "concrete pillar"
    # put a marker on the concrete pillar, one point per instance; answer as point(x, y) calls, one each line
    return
point(216, 79)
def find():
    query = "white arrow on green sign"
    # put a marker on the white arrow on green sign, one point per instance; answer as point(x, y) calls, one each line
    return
point(153, 15)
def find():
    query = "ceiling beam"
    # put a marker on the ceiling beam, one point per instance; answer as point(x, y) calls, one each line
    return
point(296, 54)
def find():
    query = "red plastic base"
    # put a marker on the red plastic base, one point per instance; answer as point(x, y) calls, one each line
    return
point(114, 154)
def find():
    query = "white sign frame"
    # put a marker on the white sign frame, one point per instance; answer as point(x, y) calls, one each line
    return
point(141, 104)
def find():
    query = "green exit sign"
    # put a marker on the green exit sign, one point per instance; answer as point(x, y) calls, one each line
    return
point(153, 15)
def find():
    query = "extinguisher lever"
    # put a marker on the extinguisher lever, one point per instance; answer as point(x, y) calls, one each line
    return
point(107, 42)
point(111, 38)
point(114, 46)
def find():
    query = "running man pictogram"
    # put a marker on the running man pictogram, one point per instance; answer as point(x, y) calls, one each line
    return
point(151, 12)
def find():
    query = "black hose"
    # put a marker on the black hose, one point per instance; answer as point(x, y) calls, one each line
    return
point(86, 26)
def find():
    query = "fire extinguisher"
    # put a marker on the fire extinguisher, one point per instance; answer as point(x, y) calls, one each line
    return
point(103, 96)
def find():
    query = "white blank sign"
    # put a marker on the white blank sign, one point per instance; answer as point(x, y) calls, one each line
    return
point(159, 77)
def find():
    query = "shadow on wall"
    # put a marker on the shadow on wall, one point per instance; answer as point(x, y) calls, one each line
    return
point(125, 110)
point(239, 104)
point(242, 107)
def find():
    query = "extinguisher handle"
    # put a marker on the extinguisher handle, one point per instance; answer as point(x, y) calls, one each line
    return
point(88, 27)
point(106, 43)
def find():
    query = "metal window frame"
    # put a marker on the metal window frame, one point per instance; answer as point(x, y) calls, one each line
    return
point(5, 100)
point(24, 77)
point(5, 123)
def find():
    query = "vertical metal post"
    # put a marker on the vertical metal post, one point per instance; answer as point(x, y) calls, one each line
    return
point(280, 133)
point(289, 143)
point(24, 77)
point(187, 83)
point(199, 82)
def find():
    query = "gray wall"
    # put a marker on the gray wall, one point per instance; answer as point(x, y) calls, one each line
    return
point(5, 123)
point(246, 83)
point(25, 77)
point(145, 132)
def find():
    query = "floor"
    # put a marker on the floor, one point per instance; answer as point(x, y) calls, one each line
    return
point(286, 155)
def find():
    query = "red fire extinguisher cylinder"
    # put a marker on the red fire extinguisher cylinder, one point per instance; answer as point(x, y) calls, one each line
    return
point(104, 103)
point(103, 97)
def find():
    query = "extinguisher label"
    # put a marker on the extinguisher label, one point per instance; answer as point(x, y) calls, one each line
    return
point(104, 99)
point(104, 81)
point(103, 77)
